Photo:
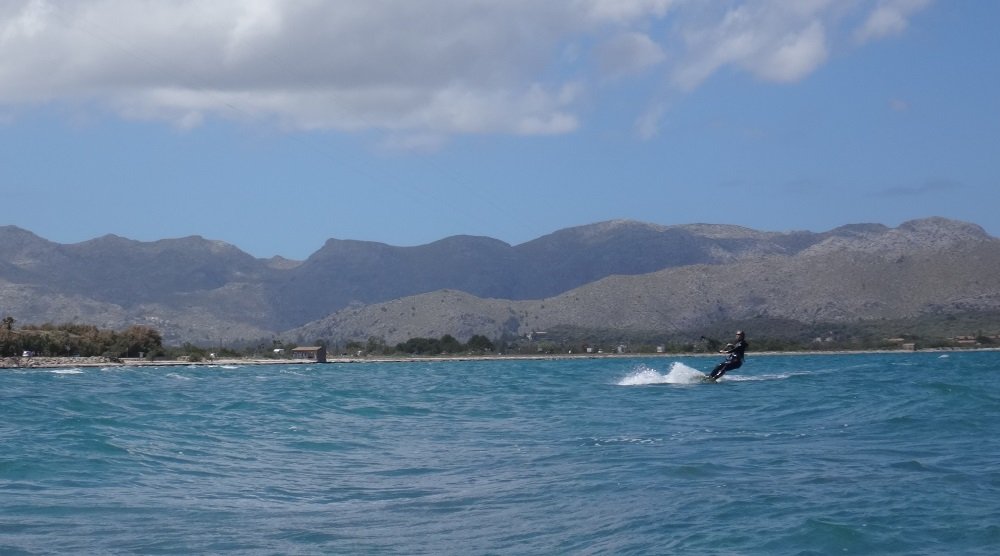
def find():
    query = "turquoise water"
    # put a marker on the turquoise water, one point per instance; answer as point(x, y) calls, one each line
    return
point(830, 454)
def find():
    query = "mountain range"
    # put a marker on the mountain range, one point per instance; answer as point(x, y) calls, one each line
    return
point(619, 275)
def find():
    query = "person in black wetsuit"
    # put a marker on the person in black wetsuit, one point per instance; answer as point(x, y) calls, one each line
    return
point(734, 359)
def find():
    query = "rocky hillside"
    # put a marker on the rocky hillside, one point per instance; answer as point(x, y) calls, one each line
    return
point(858, 273)
point(619, 274)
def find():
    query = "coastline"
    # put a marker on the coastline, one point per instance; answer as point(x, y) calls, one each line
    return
point(40, 362)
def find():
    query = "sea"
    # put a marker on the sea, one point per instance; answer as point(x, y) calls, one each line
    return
point(889, 453)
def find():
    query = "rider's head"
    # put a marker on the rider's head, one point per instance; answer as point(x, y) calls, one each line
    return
point(739, 334)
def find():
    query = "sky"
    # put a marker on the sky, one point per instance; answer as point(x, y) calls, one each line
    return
point(274, 125)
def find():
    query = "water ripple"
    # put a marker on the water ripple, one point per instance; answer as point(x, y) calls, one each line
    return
point(791, 454)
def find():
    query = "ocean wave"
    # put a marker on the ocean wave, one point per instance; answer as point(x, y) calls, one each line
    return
point(679, 373)
point(796, 455)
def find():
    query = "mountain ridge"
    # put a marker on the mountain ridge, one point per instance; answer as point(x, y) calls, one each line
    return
point(196, 289)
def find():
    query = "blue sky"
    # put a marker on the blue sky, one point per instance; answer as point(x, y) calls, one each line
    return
point(275, 125)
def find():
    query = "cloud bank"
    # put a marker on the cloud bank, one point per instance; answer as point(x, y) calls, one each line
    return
point(425, 69)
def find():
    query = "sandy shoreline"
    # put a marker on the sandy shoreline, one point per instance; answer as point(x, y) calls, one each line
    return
point(80, 362)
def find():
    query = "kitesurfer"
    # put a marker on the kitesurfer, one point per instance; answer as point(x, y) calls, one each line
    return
point(734, 356)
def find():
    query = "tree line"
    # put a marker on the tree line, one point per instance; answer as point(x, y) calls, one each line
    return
point(446, 344)
point(67, 340)
point(84, 340)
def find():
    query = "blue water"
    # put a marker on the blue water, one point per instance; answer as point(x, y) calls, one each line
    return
point(830, 454)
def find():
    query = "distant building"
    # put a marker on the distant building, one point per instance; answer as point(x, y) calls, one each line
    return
point(317, 353)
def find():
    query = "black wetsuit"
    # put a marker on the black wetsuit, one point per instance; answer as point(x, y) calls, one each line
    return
point(733, 361)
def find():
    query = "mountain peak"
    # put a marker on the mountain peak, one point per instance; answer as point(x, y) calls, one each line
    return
point(723, 231)
point(944, 228)
point(924, 233)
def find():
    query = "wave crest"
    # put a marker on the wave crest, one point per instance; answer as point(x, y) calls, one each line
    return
point(679, 373)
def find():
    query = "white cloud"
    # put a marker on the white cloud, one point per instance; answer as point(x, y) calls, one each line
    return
point(26, 23)
point(647, 125)
point(623, 10)
point(628, 53)
point(890, 17)
point(424, 69)
point(445, 66)
point(773, 40)
point(795, 55)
